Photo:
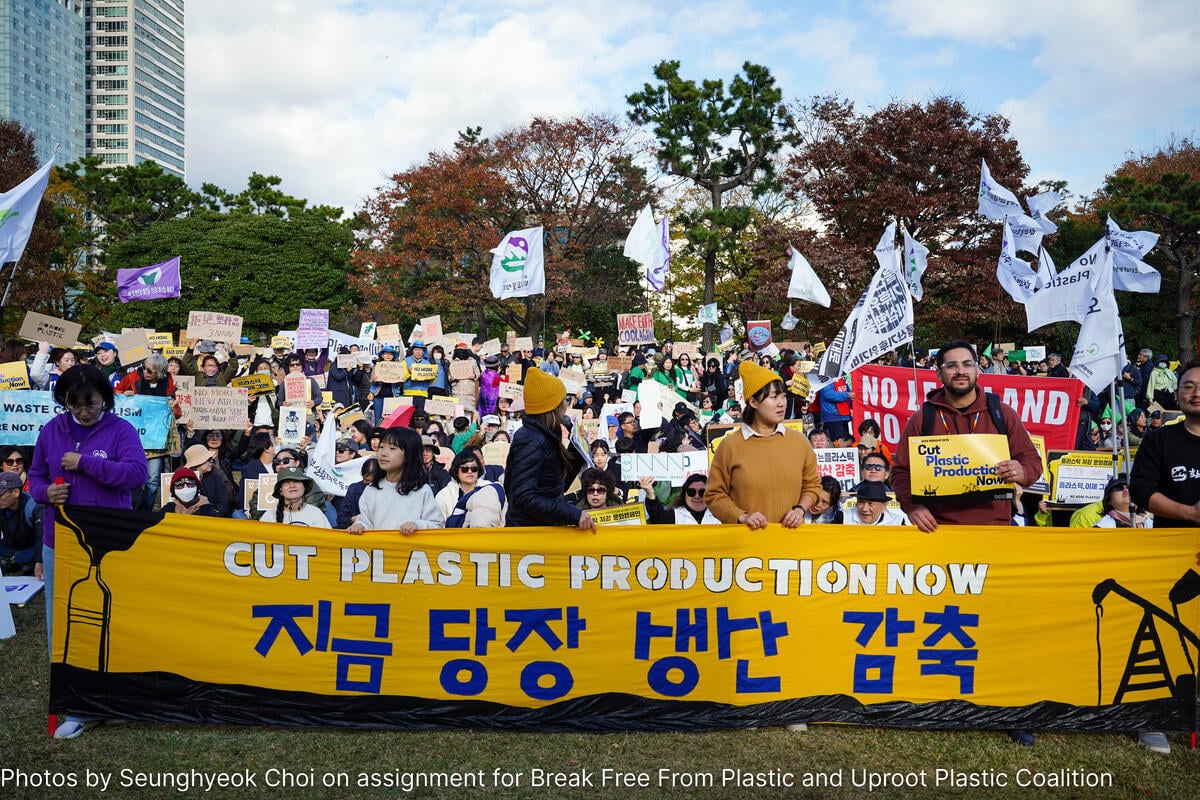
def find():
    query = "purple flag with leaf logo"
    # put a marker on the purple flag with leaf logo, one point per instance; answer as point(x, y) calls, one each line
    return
point(159, 282)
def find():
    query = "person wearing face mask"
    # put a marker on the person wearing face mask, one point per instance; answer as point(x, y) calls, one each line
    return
point(202, 462)
point(186, 497)
point(1106, 433)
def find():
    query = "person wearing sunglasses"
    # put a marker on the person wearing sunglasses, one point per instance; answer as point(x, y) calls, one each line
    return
point(689, 507)
point(470, 500)
point(12, 459)
point(875, 467)
point(186, 497)
point(599, 489)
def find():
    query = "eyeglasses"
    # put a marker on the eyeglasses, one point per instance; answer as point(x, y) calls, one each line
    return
point(956, 366)
point(1189, 388)
point(13, 462)
point(185, 482)
point(280, 462)
point(873, 467)
point(694, 492)
point(469, 468)
point(95, 405)
point(597, 489)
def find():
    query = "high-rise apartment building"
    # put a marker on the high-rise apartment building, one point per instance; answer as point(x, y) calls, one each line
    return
point(135, 82)
point(42, 72)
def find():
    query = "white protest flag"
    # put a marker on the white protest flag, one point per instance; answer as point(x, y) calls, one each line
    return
point(882, 320)
point(1027, 234)
point(916, 259)
point(518, 269)
point(1070, 294)
point(886, 253)
point(18, 211)
point(1046, 271)
point(330, 476)
point(708, 314)
point(647, 244)
point(1042, 204)
point(1130, 273)
point(1014, 274)
point(1100, 349)
point(790, 320)
point(996, 202)
point(805, 285)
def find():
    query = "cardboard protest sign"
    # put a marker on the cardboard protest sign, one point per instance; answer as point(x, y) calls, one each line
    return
point(160, 341)
point(515, 372)
point(266, 492)
point(348, 416)
point(510, 337)
point(424, 372)
point(431, 327)
point(254, 384)
point(282, 343)
point(574, 379)
point(840, 463)
point(496, 453)
point(511, 390)
point(389, 372)
point(620, 363)
point(439, 406)
point(957, 465)
point(347, 360)
point(490, 348)
point(219, 407)
point(523, 343)
point(132, 347)
point(296, 388)
point(41, 328)
point(245, 350)
point(388, 334)
point(589, 430)
point(185, 385)
point(390, 404)
point(630, 514)
point(462, 369)
point(14, 375)
point(635, 329)
point(291, 424)
point(214, 325)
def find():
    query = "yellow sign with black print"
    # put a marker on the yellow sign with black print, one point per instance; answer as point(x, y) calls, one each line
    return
point(957, 465)
point(632, 627)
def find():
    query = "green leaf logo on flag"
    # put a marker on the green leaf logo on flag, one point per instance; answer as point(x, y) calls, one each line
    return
point(151, 277)
point(6, 214)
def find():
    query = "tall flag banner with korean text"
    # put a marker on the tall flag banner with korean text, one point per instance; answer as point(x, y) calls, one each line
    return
point(1014, 274)
point(1042, 204)
point(916, 260)
point(1100, 349)
point(518, 266)
point(804, 283)
point(18, 211)
point(882, 320)
point(1069, 295)
point(886, 254)
point(996, 202)
point(1130, 273)
point(1026, 232)
point(540, 629)
point(647, 244)
point(158, 282)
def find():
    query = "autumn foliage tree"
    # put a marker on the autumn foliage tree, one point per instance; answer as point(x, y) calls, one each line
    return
point(918, 163)
point(426, 236)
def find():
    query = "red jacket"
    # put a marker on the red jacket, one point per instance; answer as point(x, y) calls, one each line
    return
point(130, 384)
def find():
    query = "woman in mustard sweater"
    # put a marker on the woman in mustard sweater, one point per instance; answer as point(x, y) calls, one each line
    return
point(764, 472)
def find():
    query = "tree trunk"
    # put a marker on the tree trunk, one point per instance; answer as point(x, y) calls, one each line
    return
point(481, 319)
point(1183, 308)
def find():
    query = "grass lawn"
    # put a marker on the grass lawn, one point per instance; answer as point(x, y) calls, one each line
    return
point(827, 753)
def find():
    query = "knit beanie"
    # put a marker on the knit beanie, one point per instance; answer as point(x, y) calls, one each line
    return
point(543, 392)
point(180, 474)
point(754, 377)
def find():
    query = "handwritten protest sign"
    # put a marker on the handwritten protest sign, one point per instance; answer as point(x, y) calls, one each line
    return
point(496, 453)
point(214, 325)
point(132, 347)
point(957, 465)
point(347, 360)
point(462, 369)
point(159, 341)
point(282, 343)
point(523, 343)
point(219, 407)
point(511, 390)
point(431, 327)
point(515, 372)
point(673, 467)
point(490, 348)
point(635, 329)
point(313, 330)
point(348, 416)
point(388, 334)
point(840, 463)
point(14, 375)
point(390, 372)
point(254, 384)
point(424, 372)
point(174, 352)
point(390, 404)
point(441, 407)
point(296, 388)
point(41, 328)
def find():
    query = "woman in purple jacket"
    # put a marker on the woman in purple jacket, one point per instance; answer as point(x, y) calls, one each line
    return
point(85, 456)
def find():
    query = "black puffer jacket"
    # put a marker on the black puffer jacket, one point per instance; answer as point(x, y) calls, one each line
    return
point(535, 480)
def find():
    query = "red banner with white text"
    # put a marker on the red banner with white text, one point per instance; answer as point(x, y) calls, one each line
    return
point(1049, 407)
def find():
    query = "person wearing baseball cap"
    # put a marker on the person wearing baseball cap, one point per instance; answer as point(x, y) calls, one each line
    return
point(765, 472)
point(20, 544)
point(539, 467)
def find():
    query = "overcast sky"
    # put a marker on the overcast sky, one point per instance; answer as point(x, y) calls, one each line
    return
point(334, 96)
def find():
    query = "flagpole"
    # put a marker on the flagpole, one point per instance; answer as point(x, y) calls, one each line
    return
point(8, 285)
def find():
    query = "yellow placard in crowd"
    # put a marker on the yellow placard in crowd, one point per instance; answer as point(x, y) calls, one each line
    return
point(255, 384)
point(957, 465)
point(630, 514)
point(424, 372)
point(14, 375)
point(158, 341)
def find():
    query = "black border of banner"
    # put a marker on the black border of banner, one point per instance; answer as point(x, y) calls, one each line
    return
point(170, 698)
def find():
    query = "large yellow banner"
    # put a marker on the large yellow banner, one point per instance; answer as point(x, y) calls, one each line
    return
point(820, 623)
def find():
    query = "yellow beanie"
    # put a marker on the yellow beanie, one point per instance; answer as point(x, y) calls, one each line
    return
point(543, 392)
point(754, 377)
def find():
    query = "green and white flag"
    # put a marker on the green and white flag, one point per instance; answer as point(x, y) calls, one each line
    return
point(708, 314)
point(18, 210)
point(518, 269)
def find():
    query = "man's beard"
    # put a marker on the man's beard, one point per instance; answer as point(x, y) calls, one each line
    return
point(955, 391)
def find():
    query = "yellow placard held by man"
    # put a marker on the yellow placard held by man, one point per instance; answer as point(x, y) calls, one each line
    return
point(424, 372)
point(957, 465)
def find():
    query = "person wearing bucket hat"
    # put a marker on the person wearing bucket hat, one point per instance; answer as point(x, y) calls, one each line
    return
point(291, 485)
point(765, 472)
point(539, 467)
point(203, 462)
point(186, 497)
point(418, 390)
